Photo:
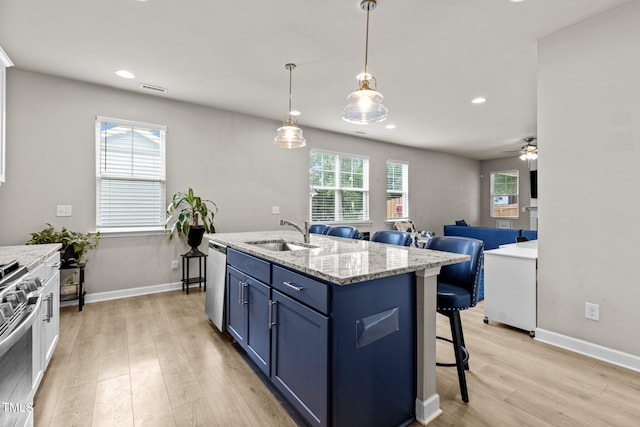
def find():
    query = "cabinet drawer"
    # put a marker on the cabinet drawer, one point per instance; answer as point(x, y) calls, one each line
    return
point(48, 268)
point(302, 288)
point(255, 267)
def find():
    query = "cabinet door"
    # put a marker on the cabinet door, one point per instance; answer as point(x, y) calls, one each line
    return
point(38, 341)
point(299, 353)
point(257, 337)
point(236, 301)
point(51, 322)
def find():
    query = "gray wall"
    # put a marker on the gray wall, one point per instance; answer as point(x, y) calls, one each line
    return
point(224, 156)
point(588, 133)
point(509, 163)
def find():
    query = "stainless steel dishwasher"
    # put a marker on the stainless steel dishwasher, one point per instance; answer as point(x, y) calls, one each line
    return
point(217, 269)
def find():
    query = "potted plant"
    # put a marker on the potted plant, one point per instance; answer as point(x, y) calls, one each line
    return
point(74, 244)
point(191, 216)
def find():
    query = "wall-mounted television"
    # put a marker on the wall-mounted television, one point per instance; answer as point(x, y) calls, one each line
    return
point(533, 181)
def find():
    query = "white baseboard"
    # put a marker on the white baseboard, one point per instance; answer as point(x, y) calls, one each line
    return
point(127, 293)
point(615, 357)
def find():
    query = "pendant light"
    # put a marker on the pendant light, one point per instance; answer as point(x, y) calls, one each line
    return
point(290, 135)
point(364, 106)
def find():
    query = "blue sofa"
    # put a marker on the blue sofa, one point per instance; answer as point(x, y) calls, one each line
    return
point(492, 238)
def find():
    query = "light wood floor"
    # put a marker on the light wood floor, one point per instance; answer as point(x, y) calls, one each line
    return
point(157, 361)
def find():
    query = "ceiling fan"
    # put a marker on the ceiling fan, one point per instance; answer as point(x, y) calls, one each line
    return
point(529, 151)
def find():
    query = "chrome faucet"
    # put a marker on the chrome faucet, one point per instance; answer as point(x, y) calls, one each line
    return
point(304, 231)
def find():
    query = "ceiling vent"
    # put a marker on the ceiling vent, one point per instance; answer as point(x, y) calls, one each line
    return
point(153, 88)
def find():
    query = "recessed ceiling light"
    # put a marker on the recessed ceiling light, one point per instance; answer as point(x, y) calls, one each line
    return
point(390, 126)
point(125, 74)
point(479, 100)
point(295, 112)
point(516, 1)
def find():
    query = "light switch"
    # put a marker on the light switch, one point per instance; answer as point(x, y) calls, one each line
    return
point(63, 210)
point(275, 210)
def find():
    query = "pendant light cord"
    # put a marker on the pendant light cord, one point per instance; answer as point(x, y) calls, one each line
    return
point(290, 73)
point(366, 47)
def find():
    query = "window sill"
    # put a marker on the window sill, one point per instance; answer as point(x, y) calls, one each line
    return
point(362, 222)
point(132, 232)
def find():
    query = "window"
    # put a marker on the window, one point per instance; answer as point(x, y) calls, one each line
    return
point(397, 190)
point(504, 194)
point(339, 186)
point(130, 175)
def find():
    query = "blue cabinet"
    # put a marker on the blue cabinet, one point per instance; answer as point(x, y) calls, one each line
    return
point(236, 311)
point(299, 364)
point(340, 355)
point(257, 337)
point(248, 315)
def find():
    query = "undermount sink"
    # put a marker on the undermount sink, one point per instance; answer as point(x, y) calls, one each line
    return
point(282, 245)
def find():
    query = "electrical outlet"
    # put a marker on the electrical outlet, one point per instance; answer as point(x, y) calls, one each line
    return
point(174, 264)
point(591, 311)
point(275, 210)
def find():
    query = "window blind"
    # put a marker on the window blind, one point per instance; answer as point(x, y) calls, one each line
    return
point(397, 190)
point(339, 187)
point(130, 174)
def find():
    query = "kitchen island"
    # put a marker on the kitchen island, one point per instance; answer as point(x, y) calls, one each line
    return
point(345, 329)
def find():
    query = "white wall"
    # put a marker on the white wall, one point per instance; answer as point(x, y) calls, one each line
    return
point(588, 133)
point(226, 157)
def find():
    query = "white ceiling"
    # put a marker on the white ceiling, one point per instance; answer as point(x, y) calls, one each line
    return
point(430, 57)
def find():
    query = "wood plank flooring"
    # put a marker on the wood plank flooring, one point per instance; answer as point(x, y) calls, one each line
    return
point(156, 360)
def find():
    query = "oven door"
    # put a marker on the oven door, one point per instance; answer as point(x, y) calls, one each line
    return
point(16, 360)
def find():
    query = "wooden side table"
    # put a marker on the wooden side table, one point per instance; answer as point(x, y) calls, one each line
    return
point(202, 272)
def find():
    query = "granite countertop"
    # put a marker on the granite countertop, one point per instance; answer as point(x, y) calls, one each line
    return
point(338, 260)
point(29, 255)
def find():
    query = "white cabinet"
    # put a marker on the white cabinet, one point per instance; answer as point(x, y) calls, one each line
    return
point(5, 62)
point(46, 330)
point(510, 289)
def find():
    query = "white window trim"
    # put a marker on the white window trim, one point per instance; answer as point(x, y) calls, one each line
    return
point(106, 231)
point(491, 195)
point(405, 194)
point(337, 189)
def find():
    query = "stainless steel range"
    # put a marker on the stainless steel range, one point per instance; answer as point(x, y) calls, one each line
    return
point(20, 301)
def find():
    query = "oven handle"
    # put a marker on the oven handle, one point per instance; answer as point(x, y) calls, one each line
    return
point(17, 333)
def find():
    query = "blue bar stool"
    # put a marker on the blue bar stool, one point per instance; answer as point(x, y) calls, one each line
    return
point(392, 237)
point(458, 288)
point(343, 231)
point(317, 228)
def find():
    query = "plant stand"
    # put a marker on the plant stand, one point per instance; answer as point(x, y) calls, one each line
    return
point(202, 275)
point(79, 295)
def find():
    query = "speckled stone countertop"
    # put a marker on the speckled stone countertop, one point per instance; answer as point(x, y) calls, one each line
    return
point(29, 255)
point(338, 260)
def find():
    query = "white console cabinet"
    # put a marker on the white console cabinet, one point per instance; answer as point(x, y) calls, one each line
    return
point(510, 290)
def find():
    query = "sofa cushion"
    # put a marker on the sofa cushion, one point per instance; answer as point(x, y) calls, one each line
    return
point(492, 237)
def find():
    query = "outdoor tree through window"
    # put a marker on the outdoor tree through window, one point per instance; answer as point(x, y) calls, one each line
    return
point(504, 194)
point(339, 187)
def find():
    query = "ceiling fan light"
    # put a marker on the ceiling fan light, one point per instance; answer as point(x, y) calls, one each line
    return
point(523, 156)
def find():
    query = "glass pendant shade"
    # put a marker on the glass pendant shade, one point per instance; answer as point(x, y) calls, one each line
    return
point(289, 136)
point(364, 106)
